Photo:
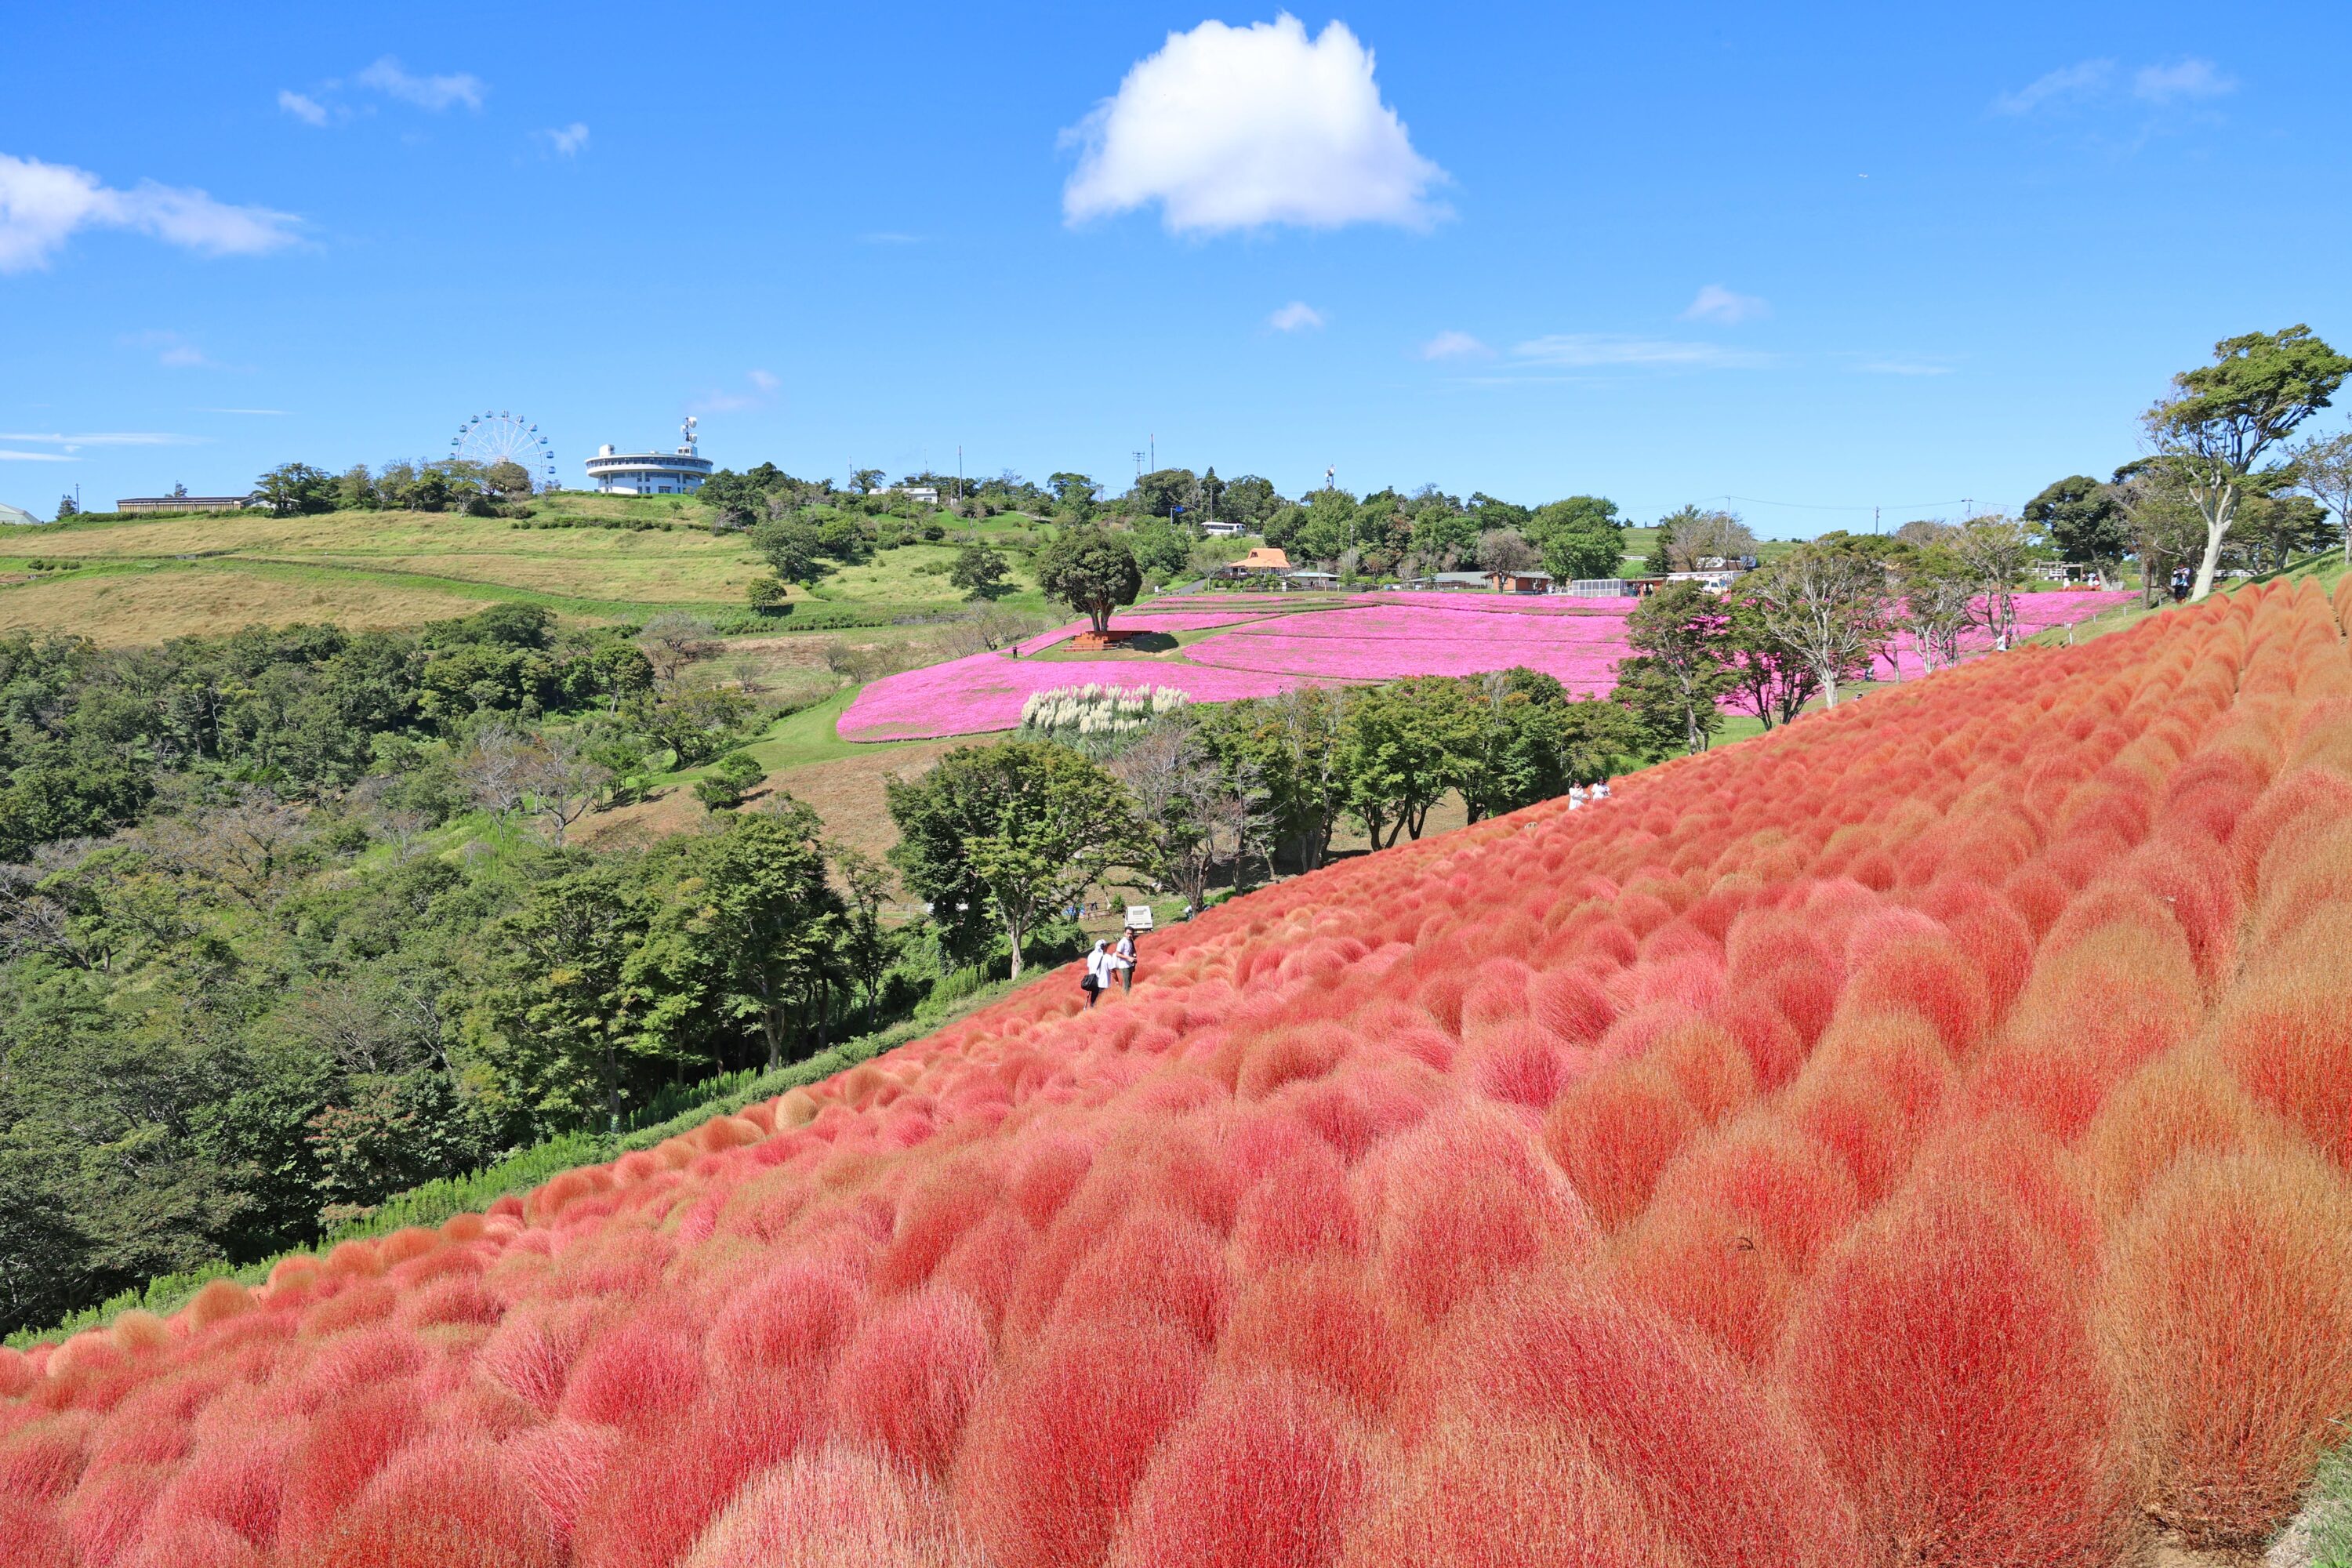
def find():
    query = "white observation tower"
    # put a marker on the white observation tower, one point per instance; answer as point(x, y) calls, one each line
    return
point(651, 473)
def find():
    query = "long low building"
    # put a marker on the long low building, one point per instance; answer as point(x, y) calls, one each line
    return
point(184, 503)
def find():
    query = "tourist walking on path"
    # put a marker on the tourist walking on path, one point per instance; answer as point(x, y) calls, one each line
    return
point(1092, 981)
point(1122, 958)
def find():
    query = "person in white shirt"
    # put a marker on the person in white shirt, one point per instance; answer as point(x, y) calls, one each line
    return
point(1097, 974)
point(1576, 797)
point(1122, 959)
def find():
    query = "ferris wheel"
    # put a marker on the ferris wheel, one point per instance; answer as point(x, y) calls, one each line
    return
point(503, 438)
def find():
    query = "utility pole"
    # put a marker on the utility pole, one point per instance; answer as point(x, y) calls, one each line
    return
point(1138, 465)
point(1874, 520)
point(958, 473)
point(1153, 442)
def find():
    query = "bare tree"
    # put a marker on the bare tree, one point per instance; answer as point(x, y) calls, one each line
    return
point(1507, 550)
point(494, 768)
point(562, 781)
point(2322, 467)
point(673, 640)
point(1709, 536)
point(746, 668)
point(1829, 606)
point(1995, 551)
point(247, 847)
point(1193, 820)
point(990, 628)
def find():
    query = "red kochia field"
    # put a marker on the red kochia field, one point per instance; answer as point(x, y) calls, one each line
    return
point(1919, 1136)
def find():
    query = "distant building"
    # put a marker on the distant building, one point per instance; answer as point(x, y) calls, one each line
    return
point(184, 503)
point(1310, 579)
point(1519, 582)
point(1601, 588)
point(1450, 582)
point(1716, 582)
point(680, 472)
point(928, 494)
point(1223, 528)
point(11, 517)
point(1264, 558)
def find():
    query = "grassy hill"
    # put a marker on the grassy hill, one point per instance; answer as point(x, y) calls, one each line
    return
point(585, 556)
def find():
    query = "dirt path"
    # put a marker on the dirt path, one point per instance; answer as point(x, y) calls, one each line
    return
point(846, 793)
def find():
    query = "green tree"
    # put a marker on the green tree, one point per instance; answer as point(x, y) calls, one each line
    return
point(746, 933)
point(68, 507)
point(507, 479)
point(1996, 551)
point(868, 947)
point(1161, 549)
point(2221, 418)
point(731, 778)
point(1939, 602)
point(1401, 748)
point(1580, 537)
point(1092, 570)
point(1249, 500)
point(554, 1028)
point(979, 570)
point(792, 546)
point(1681, 638)
point(1017, 830)
point(2322, 466)
point(1517, 742)
point(1827, 605)
point(1284, 757)
point(2083, 519)
point(1160, 491)
point(292, 490)
point(1073, 495)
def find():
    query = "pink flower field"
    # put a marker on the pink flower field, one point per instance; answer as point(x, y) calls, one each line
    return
point(1266, 645)
point(1143, 619)
point(985, 691)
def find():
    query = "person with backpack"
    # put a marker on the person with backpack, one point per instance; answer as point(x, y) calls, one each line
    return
point(1091, 982)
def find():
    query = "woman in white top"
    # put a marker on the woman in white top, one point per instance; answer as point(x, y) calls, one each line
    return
point(1098, 972)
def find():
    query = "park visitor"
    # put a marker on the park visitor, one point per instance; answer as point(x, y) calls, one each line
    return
point(1122, 958)
point(1091, 982)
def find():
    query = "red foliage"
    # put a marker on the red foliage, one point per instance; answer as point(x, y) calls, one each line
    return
point(1282, 1459)
point(1501, 1190)
point(1943, 1360)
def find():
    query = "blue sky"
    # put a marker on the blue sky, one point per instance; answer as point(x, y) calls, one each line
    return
point(1832, 255)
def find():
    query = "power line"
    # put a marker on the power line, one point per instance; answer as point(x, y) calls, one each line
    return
point(1810, 506)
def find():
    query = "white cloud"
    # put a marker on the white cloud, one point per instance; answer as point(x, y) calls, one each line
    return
point(8, 456)
point(303, 106)
point(568, 142)
point(41, 205)
point(1296, 316)
point(1716, 303)
point(1456, 345)
point(1588, 349)
point(171, 349)
point(1903, 367)
point(2189, 79)
point(2068, 82)
point(1236, 128)
point(430, 92)
point(764, 387)
point(103, 438)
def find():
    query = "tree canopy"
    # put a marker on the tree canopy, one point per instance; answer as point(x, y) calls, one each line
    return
point(1091, 570)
